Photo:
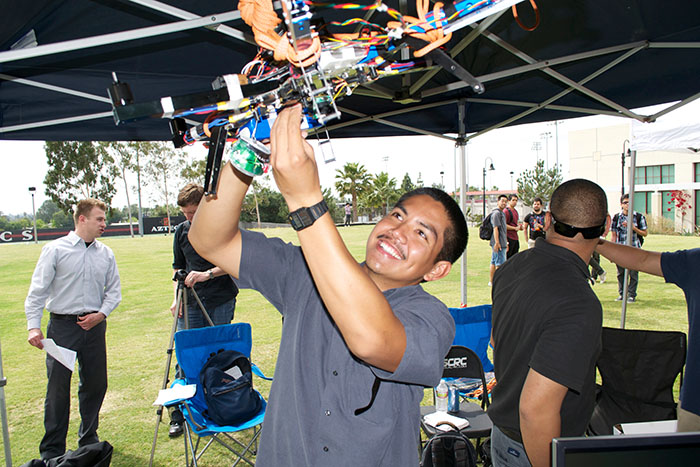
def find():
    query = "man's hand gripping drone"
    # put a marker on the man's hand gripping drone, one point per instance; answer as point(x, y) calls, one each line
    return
point(298, 62)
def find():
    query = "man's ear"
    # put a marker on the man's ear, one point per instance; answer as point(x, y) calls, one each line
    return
point(608, 224)
point(439, 270)
point(547, 220)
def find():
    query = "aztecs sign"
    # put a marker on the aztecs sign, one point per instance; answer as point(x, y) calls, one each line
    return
point(152, 225)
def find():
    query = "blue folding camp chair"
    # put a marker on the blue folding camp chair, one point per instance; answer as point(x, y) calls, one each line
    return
point(474, 331)
point(193, 348)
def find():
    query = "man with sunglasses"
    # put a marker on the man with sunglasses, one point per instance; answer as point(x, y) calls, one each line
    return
point(546, 331)
point(619, 236)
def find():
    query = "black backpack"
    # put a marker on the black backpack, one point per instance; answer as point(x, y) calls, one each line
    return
point(486, 228)
point(228, 388)
point(448, 449)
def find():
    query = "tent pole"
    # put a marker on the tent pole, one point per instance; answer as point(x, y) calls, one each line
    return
point(630, 216)
point(3, 414)
point(462, 144)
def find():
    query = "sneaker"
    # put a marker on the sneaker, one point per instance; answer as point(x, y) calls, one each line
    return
point(602, 277)
point(631, 300)
point(175, 429)
point(619, 299)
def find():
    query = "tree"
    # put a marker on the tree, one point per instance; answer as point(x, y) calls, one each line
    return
point(61, 220)
point(77, 170)
point(161, 166)
point(194, 171)
point(337, 213)
point(407, 185)
point(538, 182)
point(124, 157)
point(353, 180)
point(382, 193)
point(46, 211)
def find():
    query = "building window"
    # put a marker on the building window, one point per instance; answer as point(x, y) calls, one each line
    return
point(642, 202)
point(697, 172)
point(656, 174)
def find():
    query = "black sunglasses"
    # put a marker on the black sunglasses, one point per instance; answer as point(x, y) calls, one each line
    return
point(570, 231)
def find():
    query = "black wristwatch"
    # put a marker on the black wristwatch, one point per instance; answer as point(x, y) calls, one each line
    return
point(305, 217)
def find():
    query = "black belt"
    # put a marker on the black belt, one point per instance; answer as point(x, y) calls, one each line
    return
point(514, 435)
point(70, 317)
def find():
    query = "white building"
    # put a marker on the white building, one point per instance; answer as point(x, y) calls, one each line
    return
point(596, 154)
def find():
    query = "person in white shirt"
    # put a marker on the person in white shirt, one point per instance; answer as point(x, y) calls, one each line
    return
point(77, 281)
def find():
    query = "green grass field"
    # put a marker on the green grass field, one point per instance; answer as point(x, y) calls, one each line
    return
point(139, 329)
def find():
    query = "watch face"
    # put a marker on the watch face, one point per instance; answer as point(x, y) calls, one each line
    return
point(305, 217)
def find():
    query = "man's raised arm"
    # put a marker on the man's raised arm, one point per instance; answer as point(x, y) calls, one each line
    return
point(631, 257)
point(214, 233)
point(365, 319)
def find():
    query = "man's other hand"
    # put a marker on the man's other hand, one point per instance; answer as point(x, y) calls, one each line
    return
point(88, 322)
point(35, 338)
point(292, 160)
point(196, 276)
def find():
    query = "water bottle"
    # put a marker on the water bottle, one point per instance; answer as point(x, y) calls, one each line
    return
point(441, 396)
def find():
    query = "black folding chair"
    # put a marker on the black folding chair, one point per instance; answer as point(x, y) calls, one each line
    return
point(638, 370)
point(462, 362)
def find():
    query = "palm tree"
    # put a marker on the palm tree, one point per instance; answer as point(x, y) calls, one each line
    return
point(352, 180)
point(384, 192)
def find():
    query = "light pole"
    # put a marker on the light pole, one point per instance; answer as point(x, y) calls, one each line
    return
point(537, 146)
point(491, 167)
point(32, 189)
point(442, 179)
point(545, 136)
point(511, 180)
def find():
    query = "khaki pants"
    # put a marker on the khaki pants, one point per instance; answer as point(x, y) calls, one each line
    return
point(687, 421)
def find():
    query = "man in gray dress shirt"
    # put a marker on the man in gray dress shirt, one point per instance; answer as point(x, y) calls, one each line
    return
point(77, 281)
point(359, 341)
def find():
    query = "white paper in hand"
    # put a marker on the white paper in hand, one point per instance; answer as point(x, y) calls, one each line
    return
point(64, 356)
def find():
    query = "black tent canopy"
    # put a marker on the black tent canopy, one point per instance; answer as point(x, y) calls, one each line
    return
point(585, 57)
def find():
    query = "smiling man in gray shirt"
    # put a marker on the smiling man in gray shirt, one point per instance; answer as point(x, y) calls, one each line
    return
point(77, 281)
point(359, 341)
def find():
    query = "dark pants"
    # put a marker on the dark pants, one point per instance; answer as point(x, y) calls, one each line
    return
point(92, 359)
point(634, 280)
point(513, 247)
point(594, 263)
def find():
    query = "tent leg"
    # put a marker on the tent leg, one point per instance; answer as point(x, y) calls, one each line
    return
point(3, 414)
point(462, 144)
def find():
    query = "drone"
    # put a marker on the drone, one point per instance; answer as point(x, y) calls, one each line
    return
point(300, 62)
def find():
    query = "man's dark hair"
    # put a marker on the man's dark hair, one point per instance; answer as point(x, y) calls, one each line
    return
point(502, 196)
point(537, 198)
point(624, 197)
point(457, 234)
point(580, 203)
point(190, 194)
point(511, 196)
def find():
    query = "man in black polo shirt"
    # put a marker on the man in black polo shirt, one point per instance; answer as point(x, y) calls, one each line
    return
point(214, 287)
point(546, 331)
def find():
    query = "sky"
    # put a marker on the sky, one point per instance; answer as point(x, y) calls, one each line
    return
point(513, 149)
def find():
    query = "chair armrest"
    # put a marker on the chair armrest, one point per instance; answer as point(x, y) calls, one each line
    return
point(254, 368)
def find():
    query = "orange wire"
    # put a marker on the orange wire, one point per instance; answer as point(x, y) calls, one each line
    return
point(261, 17)
point(520, 23)
point(435, 36)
